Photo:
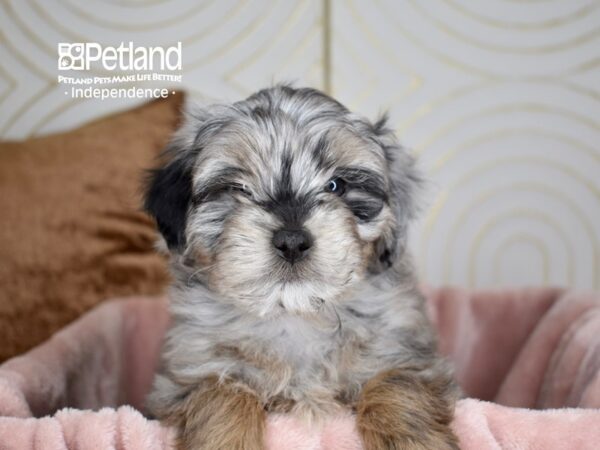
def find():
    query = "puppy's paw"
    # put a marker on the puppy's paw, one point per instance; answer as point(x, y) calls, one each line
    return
point(420, 440)
point(219, 438)
point(219, 416)
point(399, 411)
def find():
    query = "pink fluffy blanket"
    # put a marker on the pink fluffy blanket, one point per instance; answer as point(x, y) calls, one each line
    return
point(536, 352)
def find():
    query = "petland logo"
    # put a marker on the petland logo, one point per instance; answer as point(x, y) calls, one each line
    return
point(125, 57)
point(92, 71)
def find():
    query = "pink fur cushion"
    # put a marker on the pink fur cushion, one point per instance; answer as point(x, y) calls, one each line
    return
point(523, 349)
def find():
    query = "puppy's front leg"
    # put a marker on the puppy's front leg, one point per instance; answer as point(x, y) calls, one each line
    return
point(219, 416)
point(398, 410)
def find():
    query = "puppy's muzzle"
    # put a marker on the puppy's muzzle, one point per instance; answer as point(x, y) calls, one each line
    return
point(292, 244)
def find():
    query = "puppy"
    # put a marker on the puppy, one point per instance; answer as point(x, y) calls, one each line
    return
point(286, 216)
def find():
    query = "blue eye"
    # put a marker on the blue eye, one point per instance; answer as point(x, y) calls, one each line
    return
point(336, 186)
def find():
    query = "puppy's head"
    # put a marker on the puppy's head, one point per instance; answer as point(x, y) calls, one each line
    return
point(284, 201)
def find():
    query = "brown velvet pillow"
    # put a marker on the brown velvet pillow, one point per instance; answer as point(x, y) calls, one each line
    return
point(72, 232)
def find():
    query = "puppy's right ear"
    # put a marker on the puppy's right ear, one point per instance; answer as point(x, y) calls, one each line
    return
point(168, 196)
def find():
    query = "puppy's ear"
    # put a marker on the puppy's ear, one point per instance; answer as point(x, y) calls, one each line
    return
point(169, 188)
point(405, 184)
point(168, 197)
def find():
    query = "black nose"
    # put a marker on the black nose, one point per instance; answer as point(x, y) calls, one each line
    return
point(292, 245)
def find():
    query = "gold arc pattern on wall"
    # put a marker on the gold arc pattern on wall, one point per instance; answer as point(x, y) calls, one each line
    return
point(10, 11)
point(489, 81)
point(521, 238)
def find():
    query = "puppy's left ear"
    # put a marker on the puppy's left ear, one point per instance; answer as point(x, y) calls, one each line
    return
point(169, 188)
point(168, 196)
point(405, 184)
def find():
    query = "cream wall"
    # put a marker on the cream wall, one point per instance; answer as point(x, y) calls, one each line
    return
point(499, 98)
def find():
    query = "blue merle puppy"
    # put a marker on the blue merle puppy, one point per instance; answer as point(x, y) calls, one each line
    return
point(285, 216)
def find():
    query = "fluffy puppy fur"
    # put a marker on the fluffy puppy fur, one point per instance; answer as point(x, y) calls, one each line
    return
point(325, 318)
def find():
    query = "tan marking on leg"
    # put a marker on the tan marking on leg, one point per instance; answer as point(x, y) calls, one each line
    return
point(397, 410)
point(219, 416)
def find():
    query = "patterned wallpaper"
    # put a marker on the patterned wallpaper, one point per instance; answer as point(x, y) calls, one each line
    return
point(500, 99)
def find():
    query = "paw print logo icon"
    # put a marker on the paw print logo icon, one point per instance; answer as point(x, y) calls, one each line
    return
point(65, 62)
point(71, 56)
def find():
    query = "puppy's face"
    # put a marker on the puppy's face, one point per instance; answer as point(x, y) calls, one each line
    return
point(284, 201)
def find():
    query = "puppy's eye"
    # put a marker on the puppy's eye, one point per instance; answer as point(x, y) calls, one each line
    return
point(241, 188)
point(336, 185)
